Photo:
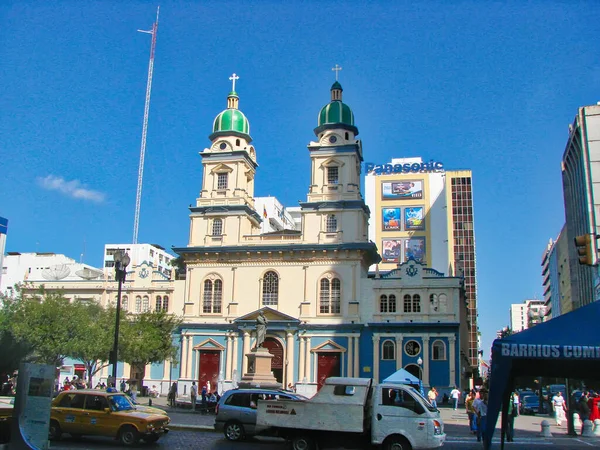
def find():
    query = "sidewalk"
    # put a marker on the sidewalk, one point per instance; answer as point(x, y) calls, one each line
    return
point(182, 417)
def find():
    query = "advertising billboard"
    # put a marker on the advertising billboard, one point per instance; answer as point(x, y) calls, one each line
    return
point(392, 250)
point(402, 190)
point(414, 218)
point(392, 218)
point(415, 248)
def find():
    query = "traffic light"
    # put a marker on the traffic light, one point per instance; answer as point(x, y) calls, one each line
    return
point(586, 249)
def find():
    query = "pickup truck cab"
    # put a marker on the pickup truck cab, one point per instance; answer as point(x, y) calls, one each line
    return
point(355, 413)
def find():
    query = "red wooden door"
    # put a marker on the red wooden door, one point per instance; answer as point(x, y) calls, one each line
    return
point(276, 349)
point(209, 369)
point(328, 365)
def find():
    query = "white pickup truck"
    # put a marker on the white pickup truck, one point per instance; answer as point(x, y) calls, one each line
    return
point(355, 413)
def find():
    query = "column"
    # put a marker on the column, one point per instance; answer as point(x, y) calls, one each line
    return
point(399, 350)
point(452, 360)
point(307, 365)
point(184, 344)
point(349, 371)
point(425, 360)
point(246, 347)
point(126, 371)
point(376, 358)
point(289, 358)
point(356, 356)
point(234, 362)
point(228, 353)
point(301, 356)
point(189, 356)
point(167, 370)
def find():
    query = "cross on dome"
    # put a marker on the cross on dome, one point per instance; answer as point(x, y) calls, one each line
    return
point(233, 78)
point(336, 69)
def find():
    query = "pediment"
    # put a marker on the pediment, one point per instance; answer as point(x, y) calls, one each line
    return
point(409, 270)
point(220, 168)
point(328, 346)
point(209, 344)
point(332, 162)
point(272, 315)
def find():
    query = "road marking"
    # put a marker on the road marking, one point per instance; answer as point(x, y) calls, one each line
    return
point(584, 442)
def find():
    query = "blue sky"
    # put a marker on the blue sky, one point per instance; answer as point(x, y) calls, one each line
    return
point(488, 86)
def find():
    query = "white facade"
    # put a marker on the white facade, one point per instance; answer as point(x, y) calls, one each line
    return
point(526, 314)
point(151, 253)
point(275, 216)
point(43, 267)
point(3, 231)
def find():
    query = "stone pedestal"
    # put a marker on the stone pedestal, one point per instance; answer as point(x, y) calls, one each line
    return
point(259, 370)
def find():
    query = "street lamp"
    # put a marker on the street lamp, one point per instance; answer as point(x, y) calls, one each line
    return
point(420, 364)
point(122, 260)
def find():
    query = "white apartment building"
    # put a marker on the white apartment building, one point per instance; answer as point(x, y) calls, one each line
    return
point(275, 216)
point(3, 230)
point(151, 253)
point(527, 314)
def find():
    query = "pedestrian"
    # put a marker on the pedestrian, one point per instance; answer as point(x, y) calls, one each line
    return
point(480, 407)
point(471, 412)
point(510, 426)
point(204, 399)
point(432, 396)
point(584, 409)
point(515, 402)
point(123, 385)
point(559, 406)
point(454, 395)
point(133, 388)
point(172, 394)
point(193, 395)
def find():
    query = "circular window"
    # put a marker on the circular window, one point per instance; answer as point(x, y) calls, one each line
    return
point(332, 139)
point(412, 348)
point(223, 146)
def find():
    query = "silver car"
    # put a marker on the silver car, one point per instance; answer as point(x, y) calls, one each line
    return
point(236, 410)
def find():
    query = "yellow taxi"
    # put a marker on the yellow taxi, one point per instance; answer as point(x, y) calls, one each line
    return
point(102, 413)
point(6, 411)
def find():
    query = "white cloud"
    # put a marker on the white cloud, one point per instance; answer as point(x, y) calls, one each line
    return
point(72, 189)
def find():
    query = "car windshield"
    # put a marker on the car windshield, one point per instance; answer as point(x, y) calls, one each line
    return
point(425, 401)
point(120, 403)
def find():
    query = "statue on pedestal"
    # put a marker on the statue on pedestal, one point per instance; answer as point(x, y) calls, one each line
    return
point(261, 329)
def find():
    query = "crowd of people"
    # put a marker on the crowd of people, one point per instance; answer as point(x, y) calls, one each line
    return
point(208, 400)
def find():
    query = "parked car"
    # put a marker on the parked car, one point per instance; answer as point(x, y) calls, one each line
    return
point(236, 410)
point(530, 404)
point(6, 412)
point(102, 413)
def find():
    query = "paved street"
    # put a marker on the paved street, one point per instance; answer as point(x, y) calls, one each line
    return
point(193, 431)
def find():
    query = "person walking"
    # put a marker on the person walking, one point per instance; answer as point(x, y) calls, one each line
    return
point(123, 385)
point(194, 395)
point(515, 402)
point(432, 396)
point(559, 406)
point(204, 399)
point(480, 407)
point(454, 395)
point(510, 426)
point(471, 412)
point(172, 394)
point(583, 408)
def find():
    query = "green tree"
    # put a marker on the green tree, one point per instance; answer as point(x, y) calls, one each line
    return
point(148, 338)
point(13, 351)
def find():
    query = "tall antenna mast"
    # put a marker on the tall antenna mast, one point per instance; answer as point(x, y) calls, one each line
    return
point(138, 197)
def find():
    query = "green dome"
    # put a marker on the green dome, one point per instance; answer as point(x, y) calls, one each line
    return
point(231, 120)
point(336, 112)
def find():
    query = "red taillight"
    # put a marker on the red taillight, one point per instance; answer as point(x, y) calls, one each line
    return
point(217, 409)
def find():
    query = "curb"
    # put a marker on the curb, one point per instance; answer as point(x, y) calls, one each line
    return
point(182, 427)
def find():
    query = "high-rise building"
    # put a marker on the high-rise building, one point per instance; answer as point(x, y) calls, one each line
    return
point(527, 314)
point(556, 278)
point(3, 231)
point(422, 211)
point(581, 189)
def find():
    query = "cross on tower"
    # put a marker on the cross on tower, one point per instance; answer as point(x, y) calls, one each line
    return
point(336, 69)
point(233, 78)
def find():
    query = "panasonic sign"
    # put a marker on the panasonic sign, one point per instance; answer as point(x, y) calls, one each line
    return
point(387, 169)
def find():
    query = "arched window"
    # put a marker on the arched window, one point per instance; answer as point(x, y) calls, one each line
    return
point(331, 224)
point(443, 300)
point(217, 228)
point(388, 351)
point(438, 350)
point(383, 304)
point(212, 296)
point(407, 303)
point(330, 295)
point(158, 306)
point(392, 303)
point(237, 142)
point(138, 304)
point(165, 303)
point(416, 306)
point(433, 300)
point(270, 289)
point(145, 304)
point(347, 137)
point(124, 303)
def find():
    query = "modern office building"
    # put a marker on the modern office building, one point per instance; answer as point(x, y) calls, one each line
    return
point(3, 231)
point(421, 210)
point(581, 189)
point(527, 314)
point(556, 282)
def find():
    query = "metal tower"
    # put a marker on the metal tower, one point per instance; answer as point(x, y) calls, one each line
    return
point(138, 197)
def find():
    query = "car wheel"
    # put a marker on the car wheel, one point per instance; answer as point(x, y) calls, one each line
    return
point(303, 443)
point(54, 432)
point(129, 436)
point(397, 443)
point(234, 431)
